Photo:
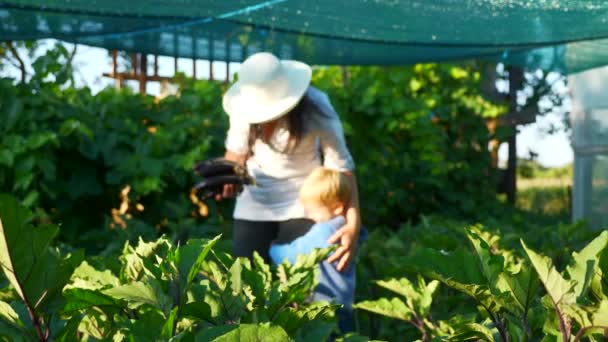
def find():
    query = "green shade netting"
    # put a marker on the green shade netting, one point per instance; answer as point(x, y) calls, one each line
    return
point(567, 35)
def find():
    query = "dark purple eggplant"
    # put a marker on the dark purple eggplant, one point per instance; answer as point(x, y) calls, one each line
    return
point(219, 166)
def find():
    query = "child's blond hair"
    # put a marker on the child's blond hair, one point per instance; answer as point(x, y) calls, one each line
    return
point(327, 187)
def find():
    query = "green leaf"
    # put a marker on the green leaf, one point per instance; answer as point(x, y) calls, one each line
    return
point(167, 330)
point(473, 332)
point(394, 308)
point(491, 265)
point(296, 321)
point(36, 273)
point(147, 326)
point(87, 277)
point(600, 317)
point(72, 125)
point(38, 139)
point(522, 285)
point(199, 310)
point(244, 333)
point(585, 264)
point(10, 324)
point(139, 293)
point(418, 298)
point(31, 198)
point(559, 289)
point(23, 180)
point(9, 314)
point(70, 331)
point(458, 269)
point(78, 299)
point(13, 334)
point(315, 331)
point(201, 249)
point(236, 280)
point(263, 269)
point(144, 259)
point(6, 157)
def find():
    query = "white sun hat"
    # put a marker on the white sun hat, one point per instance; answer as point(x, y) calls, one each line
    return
point(267, 88)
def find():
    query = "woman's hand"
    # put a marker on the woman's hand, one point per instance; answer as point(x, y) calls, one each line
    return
point(347, 236)
point(230, 190)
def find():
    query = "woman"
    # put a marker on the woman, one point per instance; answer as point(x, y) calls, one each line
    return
point(282, 128)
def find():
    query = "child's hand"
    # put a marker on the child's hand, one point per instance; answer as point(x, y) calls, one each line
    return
point(347, 236)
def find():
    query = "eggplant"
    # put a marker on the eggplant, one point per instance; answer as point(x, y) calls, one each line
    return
point(219, 166)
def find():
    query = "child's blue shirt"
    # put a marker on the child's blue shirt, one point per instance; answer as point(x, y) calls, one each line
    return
point(333, 285)
point(316, 237)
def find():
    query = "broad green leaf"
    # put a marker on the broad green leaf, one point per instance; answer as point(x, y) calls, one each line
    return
point(263, 268)
point(522, 284)
point(168, 327)
point(70, 331)
point(255, 280)
point(559, 289)
point(577, 314)
point(244, 333)
point(10, 324)
point(147, 326)
point(394, 308)
point(491, 265)
point(315, 331)
point(203, 247)
point(78, 299)
point(144, 259)
point(139, 293)
point(94, 324)
point(600, 317)
point(418, 298)
point(474, 332)
point(199, 310)
point(37, 273)
point(31, 198)
point(352, 337)
point(11, 333)
point(458, 269)
point(9, 314)
point(6, 157)
point(87, 277)
point(458, 266)
point(293, 320)
point(585, 264)
point(236, 280)
point(38, 139)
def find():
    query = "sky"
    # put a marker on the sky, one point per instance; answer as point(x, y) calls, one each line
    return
point(553, 150)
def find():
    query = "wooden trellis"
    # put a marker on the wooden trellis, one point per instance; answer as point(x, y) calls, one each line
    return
point(139, 71)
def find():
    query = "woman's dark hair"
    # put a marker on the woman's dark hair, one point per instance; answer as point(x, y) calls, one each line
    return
point(295, 126)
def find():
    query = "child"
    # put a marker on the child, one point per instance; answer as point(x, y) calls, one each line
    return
point(324, 195)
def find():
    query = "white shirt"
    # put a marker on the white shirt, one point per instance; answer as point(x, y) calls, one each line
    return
point(279, 176)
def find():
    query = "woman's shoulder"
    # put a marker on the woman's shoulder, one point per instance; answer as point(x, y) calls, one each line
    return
point(320, 99)
point(321, 110)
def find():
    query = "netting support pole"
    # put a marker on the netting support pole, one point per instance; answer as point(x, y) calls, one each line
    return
point(155, 65)
point(516, 77)
point(143, 73)
point(119, 79)
point(227, 61)
point(194, 54)
point(134, 64)
point(211, 58)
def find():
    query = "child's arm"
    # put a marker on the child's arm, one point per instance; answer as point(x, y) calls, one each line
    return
point(315, 238)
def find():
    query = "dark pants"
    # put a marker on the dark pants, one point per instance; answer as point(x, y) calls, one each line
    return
point(250, 236)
